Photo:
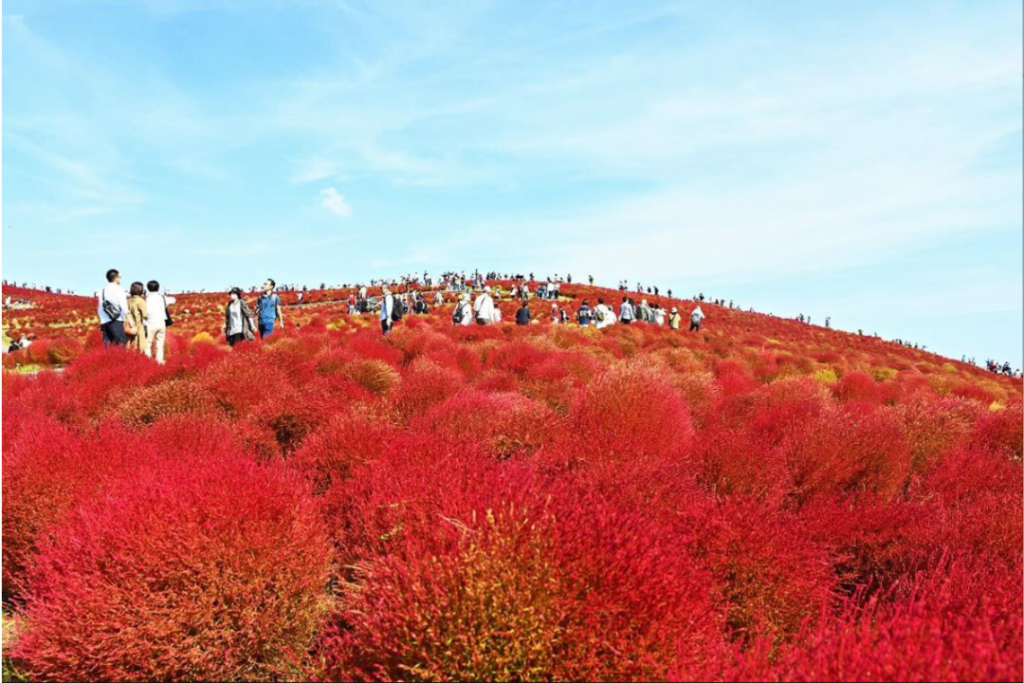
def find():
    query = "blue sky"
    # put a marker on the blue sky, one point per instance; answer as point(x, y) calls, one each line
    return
point(855, 159)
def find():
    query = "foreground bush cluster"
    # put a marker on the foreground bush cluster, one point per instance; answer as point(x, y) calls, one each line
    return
point(509, 503)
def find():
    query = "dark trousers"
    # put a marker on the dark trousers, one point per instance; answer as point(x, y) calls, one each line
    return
point(235, 338)
point(694, 326)
point(385, 326)
point(113, 333)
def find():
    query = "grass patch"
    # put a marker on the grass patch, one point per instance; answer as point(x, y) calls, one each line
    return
point(10, 634)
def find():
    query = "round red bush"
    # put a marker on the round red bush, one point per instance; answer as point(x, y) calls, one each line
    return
point(509, 424)
point(193, 568)
point(515, 582)
point(48, 469)
point(631, 411)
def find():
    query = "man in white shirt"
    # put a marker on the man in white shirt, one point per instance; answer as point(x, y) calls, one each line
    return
point(112, 307)
point(484, 307)
point(156, 322)
point(696, 318)
point(603, 314)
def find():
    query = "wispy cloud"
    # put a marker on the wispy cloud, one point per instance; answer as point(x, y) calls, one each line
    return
point(334, 202)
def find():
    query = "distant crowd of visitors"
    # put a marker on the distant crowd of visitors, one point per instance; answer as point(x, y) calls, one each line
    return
point(139, 318)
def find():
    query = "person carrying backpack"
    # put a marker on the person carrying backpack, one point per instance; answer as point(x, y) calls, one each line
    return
point(112, 309)
point(157, 320)
point(484, 307)
point(463, 313)
point(604, 315)
point(268, 309)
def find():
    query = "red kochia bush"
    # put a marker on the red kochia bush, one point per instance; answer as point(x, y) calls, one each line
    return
point(631, 411)
point(48, 469)
point(945, 631)
point(190, 568)
point(64, 350)
point(1002, 431)
point(858, 386)
point(509, 424)
point(425, 384)
point(509, 581)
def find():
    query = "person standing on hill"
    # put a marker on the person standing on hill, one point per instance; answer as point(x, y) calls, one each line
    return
point(674, 319)
point(523, 314)
point(696, 318)
point(268, 309)
point(113, 308)
point(484, 307)
point(627, 313)
point(584, 314)
point(387, 308)
point(463, 313)
point(604, 315)
point(156, 321)
point(135, 321)
point(239, 324)
point(659, 315)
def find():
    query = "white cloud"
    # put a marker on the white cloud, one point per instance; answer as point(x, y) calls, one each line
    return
point(335, 202)
point(312, 170)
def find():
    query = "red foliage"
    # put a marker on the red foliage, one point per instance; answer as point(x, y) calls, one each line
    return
point(508, 424)
point(631, 411)
point(48, 469)
point(203, 568)
point(858, 386)
point(945, 630)
point(507, 502)
point(508, 581)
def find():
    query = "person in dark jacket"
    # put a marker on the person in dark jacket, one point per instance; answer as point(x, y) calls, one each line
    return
point(523, 314)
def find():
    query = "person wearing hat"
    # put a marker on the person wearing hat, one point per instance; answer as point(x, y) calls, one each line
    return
point(463, 313)
point(484, 307)
point(239, 322)
point(674, 319)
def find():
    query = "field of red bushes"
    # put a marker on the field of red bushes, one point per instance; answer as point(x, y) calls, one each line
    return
point(763, 500)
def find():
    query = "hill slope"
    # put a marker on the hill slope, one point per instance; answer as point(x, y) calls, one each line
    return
point(763, 498)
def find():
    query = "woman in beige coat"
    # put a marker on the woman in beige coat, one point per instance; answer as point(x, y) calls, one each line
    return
point(135, 320)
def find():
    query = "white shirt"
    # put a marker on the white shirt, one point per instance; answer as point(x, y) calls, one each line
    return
point(157, 318)
point(496, 315)
point(697, 315)
point(659, 316)
point(113, 293)
point(467, 313)
point(608, 315)
point(484, 307)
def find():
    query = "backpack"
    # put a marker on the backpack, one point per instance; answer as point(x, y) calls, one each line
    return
point(168, 320)
point(600, 315)
point(457, 314)
point(397, 309)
